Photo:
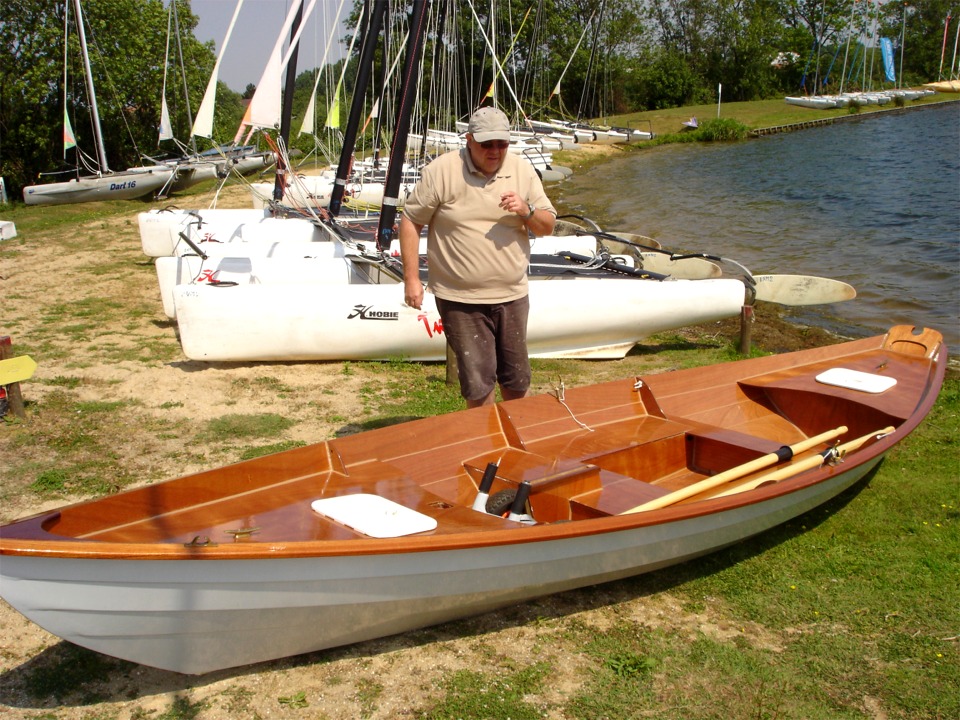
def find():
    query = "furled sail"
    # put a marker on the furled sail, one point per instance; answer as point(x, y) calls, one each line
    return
point(203, 125)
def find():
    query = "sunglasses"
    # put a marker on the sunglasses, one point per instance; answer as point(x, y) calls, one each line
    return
point(495, 144)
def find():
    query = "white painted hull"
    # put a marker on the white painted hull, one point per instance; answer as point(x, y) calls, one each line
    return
point(318, 263)
point(156, 225)
point(816, 103)
point(265, 237)
point(196, 170)
point(298, 258)
point(315, 191)
point(950, 86)
point(600, 318)
point(590, 135)
point(197, 616)
point(127, 185)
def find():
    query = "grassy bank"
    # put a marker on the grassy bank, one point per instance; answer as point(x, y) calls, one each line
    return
point(754, 114)
point(850, 611)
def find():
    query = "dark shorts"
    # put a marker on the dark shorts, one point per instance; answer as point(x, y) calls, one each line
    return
point(490, 343)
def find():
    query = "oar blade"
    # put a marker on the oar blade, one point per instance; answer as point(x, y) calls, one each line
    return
point(683, 268)
point(16, 369)
point(796, 290)
point(634, 239)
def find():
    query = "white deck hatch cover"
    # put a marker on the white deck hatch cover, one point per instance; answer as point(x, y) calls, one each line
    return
point(374, 515)
point(856, 380)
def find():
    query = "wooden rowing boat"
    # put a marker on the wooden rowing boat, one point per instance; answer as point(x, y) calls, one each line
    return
point(449, 516)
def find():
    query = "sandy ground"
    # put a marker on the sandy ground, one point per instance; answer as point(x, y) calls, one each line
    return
point(390, 678)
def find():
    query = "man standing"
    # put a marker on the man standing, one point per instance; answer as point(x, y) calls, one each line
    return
point(480, 205)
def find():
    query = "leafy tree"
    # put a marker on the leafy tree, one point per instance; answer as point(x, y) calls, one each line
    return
point(126, 40)
point(921, 22)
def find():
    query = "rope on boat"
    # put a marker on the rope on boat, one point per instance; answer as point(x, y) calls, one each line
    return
point(559, 390)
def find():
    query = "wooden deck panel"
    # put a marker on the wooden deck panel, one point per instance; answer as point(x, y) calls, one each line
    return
point(282, 513)
point(197, 490)
point(812, 405)
point(428, 450)
point(545, 417)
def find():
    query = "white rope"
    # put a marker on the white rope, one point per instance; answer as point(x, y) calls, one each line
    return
point(559, 389)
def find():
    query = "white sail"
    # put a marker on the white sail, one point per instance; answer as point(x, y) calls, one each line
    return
point(166, 127)
point(309, 114)
point(203, 125)
point(264, 110)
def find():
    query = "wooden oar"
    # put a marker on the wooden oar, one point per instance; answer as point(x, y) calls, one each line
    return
point(782, 455)
point(809, 463)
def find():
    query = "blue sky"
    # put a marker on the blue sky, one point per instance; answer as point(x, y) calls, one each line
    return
point(256, 32)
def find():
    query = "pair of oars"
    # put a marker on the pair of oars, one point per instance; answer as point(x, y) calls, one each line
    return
point(784, 454)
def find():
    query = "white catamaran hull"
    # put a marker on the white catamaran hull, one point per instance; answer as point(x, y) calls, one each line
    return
point(128, 185)
point(156, 225)
point(600, 318)
point(315, 191)
point(187, 616)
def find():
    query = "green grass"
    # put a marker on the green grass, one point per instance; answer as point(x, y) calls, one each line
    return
point(754, 115)
point(477, 694)
point(239, 426)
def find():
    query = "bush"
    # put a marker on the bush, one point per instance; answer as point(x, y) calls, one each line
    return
point(721, 129)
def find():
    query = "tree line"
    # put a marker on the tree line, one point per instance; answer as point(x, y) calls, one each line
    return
point(607, 57)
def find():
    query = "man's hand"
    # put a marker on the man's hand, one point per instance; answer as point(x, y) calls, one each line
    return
point(410, 256)
point(413, 293)
point(511, 202)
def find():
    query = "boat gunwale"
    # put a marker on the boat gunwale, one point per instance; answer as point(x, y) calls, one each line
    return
point(517, 535)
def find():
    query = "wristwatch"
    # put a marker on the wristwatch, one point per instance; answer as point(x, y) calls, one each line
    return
point(529, 214)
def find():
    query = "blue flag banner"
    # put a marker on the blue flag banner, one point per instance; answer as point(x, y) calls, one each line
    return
point(886, 49)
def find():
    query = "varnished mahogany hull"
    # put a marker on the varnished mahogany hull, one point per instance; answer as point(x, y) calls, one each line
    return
point(126, 574)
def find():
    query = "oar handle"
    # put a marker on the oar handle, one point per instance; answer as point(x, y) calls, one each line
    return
point(738, 472)
point(809, 463)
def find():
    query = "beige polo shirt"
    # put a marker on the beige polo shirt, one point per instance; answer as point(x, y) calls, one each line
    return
point(476, 251)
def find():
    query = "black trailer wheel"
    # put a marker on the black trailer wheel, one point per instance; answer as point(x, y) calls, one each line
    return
point(500, 502)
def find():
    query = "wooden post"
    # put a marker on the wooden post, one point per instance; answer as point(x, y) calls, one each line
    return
point(746, 323)
point(14, 398)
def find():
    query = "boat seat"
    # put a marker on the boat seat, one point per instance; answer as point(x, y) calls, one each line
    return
point(616, 495)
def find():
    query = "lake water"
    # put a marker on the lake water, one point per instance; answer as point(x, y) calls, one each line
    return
point(873, 201)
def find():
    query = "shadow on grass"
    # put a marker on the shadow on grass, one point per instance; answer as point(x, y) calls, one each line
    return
point(69, 676)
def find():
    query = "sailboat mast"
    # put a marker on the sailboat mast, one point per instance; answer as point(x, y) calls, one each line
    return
point(183, 74)
point(98, 132)
point(286, 112)
point(953, 63)
point(903, 36)
point(356, 107)
point(401, 131)
point(593, 56)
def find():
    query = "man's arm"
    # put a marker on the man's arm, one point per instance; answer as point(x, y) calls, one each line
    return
point(541, 222)
point(410, 257)
point(537, 220)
